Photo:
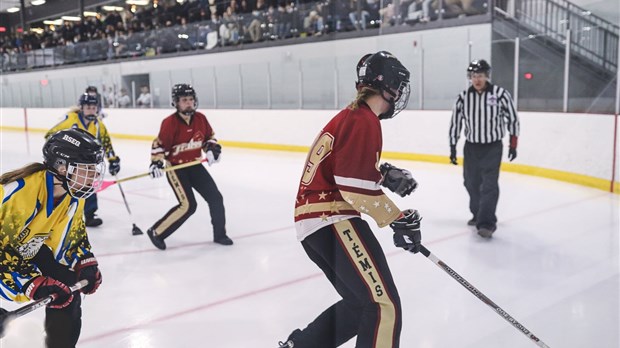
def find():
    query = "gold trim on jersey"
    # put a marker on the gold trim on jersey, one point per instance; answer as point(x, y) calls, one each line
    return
point(333, 207)
point(380, 208)
point(369, 273)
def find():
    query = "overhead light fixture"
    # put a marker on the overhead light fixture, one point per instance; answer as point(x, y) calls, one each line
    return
point(37, 30)
point(37, 2)
point(137, 2)
point(112, 8)
point(71, 18)
point(90, 14)
point(12, 9)
point(52, 22)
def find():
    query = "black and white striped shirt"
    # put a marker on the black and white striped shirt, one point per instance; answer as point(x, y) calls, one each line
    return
point(486, 115)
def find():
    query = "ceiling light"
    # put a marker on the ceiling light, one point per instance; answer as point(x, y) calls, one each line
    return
point(52, 22)
point(137, 2)
point(112, 8)
point(90, 14)
point(71, 18)
point(12, 9)
point(37, 2)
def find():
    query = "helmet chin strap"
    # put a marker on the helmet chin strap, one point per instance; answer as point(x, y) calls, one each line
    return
point(390, 112)
point(187, 113)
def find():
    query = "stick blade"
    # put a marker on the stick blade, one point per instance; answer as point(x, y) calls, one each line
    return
point(136, 231)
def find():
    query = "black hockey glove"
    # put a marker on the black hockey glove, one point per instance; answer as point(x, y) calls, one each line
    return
point(453, 155)
point(407, 233)
point(42, 286)
point(88, 268)
point(155, 169)
point(213, 151)
point(114, 165)
point(512, 149)
point(397, 180)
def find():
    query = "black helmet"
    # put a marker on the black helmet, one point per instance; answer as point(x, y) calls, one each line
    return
point(88, 99)
point(360, 63)
point(384, 72)
point(479, 66)
point(91, 89)
point(184, 90)
point(81, 155)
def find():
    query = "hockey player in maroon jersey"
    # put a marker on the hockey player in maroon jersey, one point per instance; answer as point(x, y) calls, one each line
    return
point(342, 179)
point(182, 138)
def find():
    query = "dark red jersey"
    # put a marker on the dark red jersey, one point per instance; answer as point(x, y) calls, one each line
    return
point(182, 142)
point(341, 176)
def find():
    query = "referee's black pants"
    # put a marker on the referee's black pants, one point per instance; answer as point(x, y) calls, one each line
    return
point(182, 182)
point(353, 261)
point(62, 326)
point(481, 163)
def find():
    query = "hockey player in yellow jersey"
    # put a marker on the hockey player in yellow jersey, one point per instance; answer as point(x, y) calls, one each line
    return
point(44, 247)
point(86, 117)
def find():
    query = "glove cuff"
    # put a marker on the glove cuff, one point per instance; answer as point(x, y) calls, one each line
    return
point(87, 261)
point(514, 140)
point(30, 287)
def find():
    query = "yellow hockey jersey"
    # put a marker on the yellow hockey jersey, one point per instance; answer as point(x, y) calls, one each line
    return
point(74, 119)
point(28, 220)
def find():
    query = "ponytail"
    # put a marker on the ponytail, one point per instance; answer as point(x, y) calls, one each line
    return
point(21, 173)
point(362, 95)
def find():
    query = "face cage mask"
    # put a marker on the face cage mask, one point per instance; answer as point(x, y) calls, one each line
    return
point(399, 104)
point(78, 176)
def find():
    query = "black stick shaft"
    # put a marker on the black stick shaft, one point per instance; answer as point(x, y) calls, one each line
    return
point(124, 198)
point(43, 301)
point(482, 297)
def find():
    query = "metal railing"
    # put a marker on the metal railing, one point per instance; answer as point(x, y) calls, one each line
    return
point(591, 36)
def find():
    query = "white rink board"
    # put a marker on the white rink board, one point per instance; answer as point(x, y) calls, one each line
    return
point(575, 143)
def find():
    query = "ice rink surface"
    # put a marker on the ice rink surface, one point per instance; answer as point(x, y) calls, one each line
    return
point(552, 264)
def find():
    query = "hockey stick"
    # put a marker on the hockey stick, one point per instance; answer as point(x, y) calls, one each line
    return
point(135, 230)
point(106, 184)
point(8, 316)
point(482, 297)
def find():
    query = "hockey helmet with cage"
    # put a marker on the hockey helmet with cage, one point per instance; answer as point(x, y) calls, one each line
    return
point(88, 99)
point(384, 72)
point(82, 157)
point(183, 90)
point(478, 66)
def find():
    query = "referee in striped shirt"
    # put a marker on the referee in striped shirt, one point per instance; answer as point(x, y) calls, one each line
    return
point(486, 111)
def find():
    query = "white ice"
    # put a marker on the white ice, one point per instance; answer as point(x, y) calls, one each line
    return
point(552, 264)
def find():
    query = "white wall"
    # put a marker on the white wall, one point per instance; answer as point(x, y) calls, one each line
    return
point(574, 143)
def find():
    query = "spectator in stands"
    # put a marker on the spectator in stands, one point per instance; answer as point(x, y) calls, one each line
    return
point(123, 99)
point(144, 99)
point(313, 23)
point(254, 28)
point(358, 21)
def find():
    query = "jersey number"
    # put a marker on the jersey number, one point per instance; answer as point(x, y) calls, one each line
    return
point(321, 148)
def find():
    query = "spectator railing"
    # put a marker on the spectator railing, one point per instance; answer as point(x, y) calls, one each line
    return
point(591, 36)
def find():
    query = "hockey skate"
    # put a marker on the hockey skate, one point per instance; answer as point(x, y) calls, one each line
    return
point(92, 220)
point(486, 232)
point(289, 341)
point(156, 240)
point(224, 240)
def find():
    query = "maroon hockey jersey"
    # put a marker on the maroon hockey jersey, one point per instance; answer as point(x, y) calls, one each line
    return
point(341, 176)
point(180, 142)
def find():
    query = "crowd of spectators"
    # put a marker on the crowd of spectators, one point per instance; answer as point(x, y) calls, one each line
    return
point(170, 26)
